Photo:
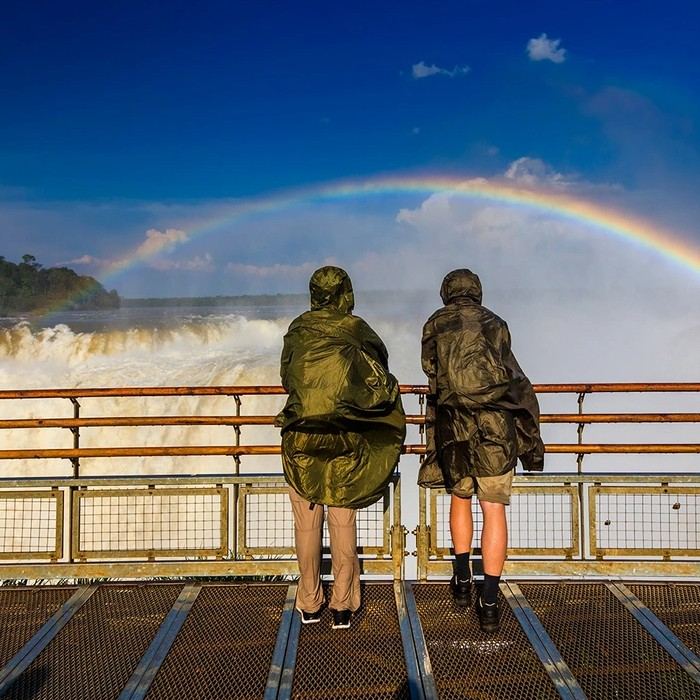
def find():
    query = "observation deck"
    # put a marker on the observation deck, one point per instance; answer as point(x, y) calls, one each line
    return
point(146, 551)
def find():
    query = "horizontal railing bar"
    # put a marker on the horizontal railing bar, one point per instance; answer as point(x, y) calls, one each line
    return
point(141, 391)
point(278, 390)
point(138, 421)
point(620, 418)
point(135, 421)
point(604, 448)
point(615, 387)
point(122, 480)
point(232, 450)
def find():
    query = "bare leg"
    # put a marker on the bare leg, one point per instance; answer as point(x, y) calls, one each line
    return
point(461, 524)
point(494, 537)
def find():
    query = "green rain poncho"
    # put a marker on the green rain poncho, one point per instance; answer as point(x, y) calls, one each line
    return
point(343, 424)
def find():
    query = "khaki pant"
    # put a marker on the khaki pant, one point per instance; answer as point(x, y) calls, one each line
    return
point(308, 533)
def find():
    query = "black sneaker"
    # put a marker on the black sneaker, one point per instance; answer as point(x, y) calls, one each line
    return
point(461, 591)
point(308, 618)
point(489, 618)
point(341, 619)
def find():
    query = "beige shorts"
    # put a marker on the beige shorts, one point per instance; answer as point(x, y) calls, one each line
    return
point(493, 489)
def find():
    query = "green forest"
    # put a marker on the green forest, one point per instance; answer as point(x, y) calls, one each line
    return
point(30, 287)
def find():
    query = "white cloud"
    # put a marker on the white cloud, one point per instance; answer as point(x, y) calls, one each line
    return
point(545, 49)
point(157, 241)
point(422, 70)
point(533, 171)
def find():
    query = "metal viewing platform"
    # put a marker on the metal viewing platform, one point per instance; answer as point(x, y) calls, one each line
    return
point(159, 548)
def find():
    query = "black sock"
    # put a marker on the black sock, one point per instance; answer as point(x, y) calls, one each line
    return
point(462, 566)
point(489, 593)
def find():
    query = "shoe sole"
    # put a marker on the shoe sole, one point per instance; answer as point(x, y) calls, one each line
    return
point(308, 622)
point(341, 627)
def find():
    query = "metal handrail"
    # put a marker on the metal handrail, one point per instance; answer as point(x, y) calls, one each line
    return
point(249, 390)
point(138, 421)
point(236, 421)
point(232, 451)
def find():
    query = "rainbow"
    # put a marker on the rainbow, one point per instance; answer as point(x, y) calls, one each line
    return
point(608, 220)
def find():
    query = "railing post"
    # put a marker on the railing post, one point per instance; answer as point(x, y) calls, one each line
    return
point(422, 533)
point(237, 470)
point(76, 438)
point(398, 534)
point(580, 486)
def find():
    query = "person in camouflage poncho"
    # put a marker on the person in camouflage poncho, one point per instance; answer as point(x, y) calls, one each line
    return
point(482, 415)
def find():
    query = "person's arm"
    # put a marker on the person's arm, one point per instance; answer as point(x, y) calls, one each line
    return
point(373, 344)
point(285, 360)
point(429, 355)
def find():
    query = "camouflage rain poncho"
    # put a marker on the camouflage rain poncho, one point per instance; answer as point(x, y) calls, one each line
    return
point(482, 411)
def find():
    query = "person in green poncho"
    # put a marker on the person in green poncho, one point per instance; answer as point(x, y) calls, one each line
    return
point(342, 427)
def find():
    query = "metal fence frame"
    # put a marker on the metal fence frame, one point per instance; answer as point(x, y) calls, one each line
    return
point(233, 555)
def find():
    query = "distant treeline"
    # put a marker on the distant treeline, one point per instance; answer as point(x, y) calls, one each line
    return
point(242, 300)
point(28, 286)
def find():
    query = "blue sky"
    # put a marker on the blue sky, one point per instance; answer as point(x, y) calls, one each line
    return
point(122, 125)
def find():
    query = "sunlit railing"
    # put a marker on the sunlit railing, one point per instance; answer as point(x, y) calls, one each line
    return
point(231, 522)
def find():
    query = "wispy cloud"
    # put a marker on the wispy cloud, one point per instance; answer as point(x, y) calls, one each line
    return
point(422, 70)
point(199, 263)
point(86, 260)
point(545, 49)
point(277, 270)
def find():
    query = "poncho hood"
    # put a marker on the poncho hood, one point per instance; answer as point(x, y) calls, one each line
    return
point(330, 288)
point(461, 284)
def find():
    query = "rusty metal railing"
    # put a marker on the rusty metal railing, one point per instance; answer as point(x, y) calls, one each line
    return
point(239, 523)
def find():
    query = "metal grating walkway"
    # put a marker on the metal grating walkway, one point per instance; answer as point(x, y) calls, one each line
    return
point(180, 640)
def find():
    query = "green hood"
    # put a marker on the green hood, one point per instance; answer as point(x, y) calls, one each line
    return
point(330, 288)
point(343, 424)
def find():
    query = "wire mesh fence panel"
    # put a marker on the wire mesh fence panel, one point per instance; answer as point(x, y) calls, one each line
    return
point(269, 523)
point(165, 522)
point(543, 520)
point(647, 520)
point(540, 521)
point(31, 524)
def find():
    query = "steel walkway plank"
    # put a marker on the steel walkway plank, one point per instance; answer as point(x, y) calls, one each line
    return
point(277, 665)
point(290, 658)
point(564, 681)
point(658, 630)
point(140, 682)
point(415, 685)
